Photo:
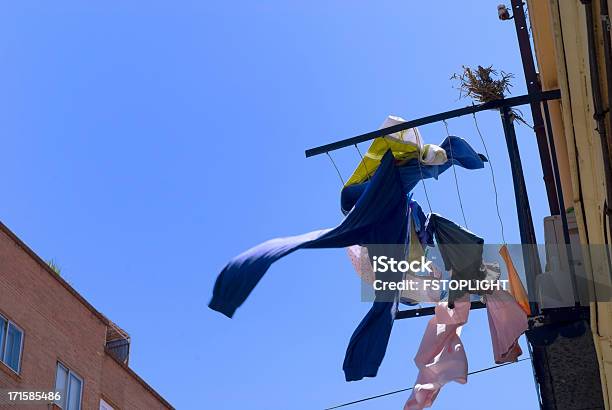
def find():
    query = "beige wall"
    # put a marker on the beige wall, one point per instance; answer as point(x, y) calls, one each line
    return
point(560, 37)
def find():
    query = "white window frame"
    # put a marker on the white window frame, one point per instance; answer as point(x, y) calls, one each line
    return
point(4, 339)
point(76, 376)
point(104, 405)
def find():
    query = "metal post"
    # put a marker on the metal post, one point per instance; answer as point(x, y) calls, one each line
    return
point(523, 210)
point(534, 87)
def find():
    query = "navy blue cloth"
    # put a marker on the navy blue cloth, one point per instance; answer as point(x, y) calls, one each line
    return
point(379, 216)
point(411, 173)
point(368, 344)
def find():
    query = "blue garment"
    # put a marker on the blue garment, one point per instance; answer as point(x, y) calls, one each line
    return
point(419, 219)
point(412, 172)
point(378, 215)
point(368, 344)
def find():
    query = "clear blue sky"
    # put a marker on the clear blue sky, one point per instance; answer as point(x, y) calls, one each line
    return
point(145, 143)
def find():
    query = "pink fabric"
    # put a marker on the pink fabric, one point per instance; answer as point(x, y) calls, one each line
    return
point(361, 262)
point(507, 322)
point(441, 357)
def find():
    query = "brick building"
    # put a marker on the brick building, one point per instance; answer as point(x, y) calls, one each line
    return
point(52, 339)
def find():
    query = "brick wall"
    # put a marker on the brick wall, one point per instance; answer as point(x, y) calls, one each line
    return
point(59, 325)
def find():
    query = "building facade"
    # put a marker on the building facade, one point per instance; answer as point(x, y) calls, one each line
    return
point(53, 341)
point(572, 40)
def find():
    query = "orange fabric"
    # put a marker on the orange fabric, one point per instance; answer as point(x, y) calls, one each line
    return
point(516, 286)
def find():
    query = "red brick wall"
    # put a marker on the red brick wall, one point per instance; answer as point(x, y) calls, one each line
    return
point(119, 387)
point(58, 326)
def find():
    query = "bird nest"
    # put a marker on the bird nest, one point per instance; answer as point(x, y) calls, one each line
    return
point(483, 84)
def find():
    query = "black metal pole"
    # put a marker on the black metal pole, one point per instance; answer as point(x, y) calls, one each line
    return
point(534, 87)
point(429, 311)
point(566, 235)
point(523, 210)
point(495, 104)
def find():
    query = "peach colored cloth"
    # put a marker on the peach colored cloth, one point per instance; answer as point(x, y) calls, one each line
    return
point(507, 322)
point(516, 286)
point(420, 293)
point(441, 357)
point(361, 262)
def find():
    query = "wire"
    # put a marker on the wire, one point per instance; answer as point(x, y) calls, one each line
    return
point(410, 388)
point(501, 222)
point(337, 170)
point(450, 144)
point(363, 162)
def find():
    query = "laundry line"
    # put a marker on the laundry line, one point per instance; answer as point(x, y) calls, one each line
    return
point(410, 388)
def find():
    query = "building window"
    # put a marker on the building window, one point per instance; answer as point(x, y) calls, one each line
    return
point(105, 406)
point(11, 344)
point(70, 387)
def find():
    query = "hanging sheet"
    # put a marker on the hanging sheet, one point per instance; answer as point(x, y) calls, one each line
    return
point(507, 322)
point(441, 357)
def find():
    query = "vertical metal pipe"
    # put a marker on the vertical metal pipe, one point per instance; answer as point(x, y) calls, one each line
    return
point(566, 235)
point(523, 210)
point(534, 87)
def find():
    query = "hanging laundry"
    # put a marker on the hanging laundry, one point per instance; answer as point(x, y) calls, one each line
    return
point(411, 172)
point(461, 250)
point(404, 145)
point(378, 217)
point(419, 219)
point(419, 293)
point(368, 343)
point(416, 249)
point(441, 357)
point(507, 322)
point(516, 286)
point(360, 259)
point(433, 155)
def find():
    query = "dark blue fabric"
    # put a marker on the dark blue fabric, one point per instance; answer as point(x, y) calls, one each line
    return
point(461, 250)
point(411, 173)
point(419, 218)
point(368, 344)
point(378, 217)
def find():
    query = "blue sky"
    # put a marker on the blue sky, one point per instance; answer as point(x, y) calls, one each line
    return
point(145, 143)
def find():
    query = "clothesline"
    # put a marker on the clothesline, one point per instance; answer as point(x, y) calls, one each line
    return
point(454, 173)
point(379, 209)
point(410, 388)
